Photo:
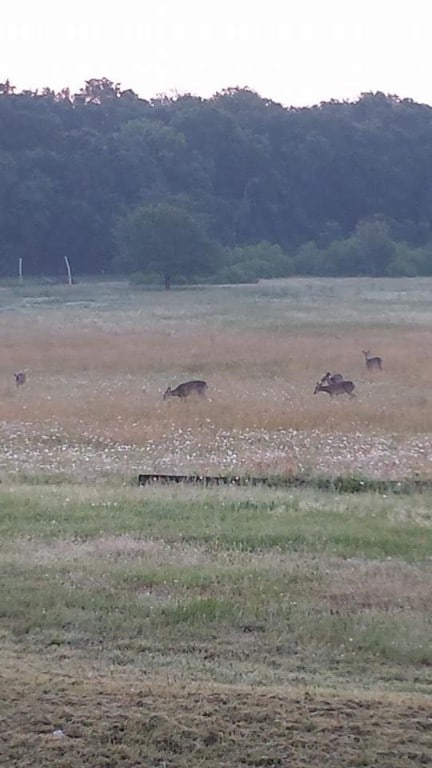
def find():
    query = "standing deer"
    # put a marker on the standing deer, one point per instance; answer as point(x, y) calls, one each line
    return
point(331, 378)
point(186, 389)
point(336, 388)
point(373, 363)
point(20, 378)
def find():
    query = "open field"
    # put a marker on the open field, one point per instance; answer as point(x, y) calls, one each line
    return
point(170, 627)
point(100, 358)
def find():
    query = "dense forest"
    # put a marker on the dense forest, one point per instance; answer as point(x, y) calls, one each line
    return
point(231, 188)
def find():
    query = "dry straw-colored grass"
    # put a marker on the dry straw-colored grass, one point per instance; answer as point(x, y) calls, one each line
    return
point(256, 380)
point(96, 379)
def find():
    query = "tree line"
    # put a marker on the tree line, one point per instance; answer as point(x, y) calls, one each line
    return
point(232, 188)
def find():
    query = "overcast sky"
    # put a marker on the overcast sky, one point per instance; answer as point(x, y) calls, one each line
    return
point(297, 52)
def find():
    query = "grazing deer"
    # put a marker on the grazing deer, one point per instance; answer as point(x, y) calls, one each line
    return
point(373, 363)
point(20, 378)
point(336, 388)
point(186, 389)
point(331, 378)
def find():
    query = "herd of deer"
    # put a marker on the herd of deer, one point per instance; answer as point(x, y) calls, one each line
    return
point(335, 384)
point(332, 383)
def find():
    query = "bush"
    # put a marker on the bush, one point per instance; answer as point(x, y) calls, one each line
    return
point(144, 278)
point(251, 263)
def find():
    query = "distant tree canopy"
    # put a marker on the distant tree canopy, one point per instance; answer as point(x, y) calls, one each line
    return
point(228, 188)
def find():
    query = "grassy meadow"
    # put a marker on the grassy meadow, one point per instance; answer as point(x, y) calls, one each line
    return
point(187, 626)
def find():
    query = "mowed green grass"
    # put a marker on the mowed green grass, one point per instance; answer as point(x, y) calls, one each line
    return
point(368, 525)
point(267, 584)
point(185, 627)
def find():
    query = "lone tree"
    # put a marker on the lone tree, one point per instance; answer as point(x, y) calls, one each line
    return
point(165, 239)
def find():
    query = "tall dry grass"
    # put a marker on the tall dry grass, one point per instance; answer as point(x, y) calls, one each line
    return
point(112, 382)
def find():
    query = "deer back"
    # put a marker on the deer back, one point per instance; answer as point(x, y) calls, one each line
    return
point(344, 387)
point(331, 378)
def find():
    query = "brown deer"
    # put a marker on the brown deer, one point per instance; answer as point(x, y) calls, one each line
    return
point(372, 363)
point(186, 389)
point(20, 378)
point(336, 388)
point(331, 378)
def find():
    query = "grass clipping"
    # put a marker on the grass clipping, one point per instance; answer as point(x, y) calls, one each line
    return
point(51, 721)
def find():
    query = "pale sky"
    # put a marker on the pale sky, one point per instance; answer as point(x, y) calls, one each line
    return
point(297, 52)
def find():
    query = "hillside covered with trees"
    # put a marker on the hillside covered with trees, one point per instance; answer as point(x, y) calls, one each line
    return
point(231, 188)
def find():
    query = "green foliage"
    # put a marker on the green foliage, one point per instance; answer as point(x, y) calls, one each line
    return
point(254, 262)
point(341, 187)
point(374, 245)
point(144, 278)
point(371, 250)
point(411, 262)
point(164, 239)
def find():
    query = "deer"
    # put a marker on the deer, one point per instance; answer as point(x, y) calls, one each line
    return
point(20, 378)
point(343, 387)
point(186, 389)
point(372, 363)
point(331, 378)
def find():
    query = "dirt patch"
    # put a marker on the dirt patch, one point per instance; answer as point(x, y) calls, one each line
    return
point(76, 720)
